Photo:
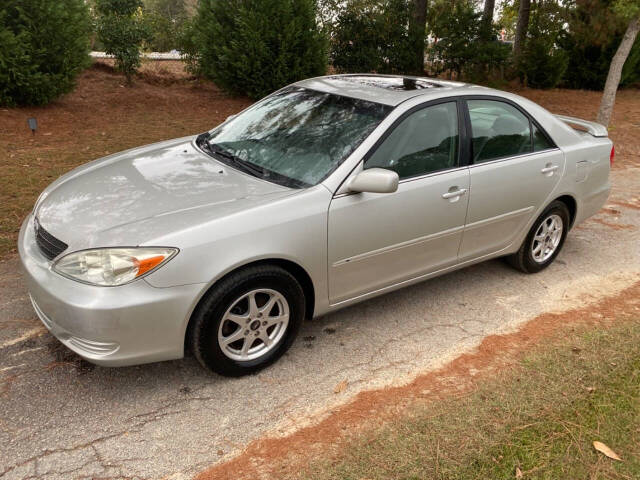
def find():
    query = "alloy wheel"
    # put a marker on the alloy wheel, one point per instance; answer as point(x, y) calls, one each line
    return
point(253, 325)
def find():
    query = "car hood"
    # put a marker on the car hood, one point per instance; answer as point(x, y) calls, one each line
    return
point(135, 196)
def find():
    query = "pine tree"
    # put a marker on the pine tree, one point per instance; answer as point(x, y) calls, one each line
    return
point(44, 44)
point(253, 47)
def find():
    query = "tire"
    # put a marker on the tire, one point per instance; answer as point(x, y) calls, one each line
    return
point(227, 306)
point(524, 259)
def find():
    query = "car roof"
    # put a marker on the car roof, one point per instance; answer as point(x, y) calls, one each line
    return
point(387, 89)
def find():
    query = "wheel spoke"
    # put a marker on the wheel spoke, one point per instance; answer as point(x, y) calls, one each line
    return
point(248, 341)
point(265, 338)
point(253, 306)
point(276, 320)
point(237, 319)
point(234, 337)
point(267, 307)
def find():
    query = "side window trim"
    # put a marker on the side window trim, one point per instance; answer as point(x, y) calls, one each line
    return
point(532, 122)
point(461, 160)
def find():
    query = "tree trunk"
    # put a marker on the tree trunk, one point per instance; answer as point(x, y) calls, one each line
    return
point(615, 72)
point(417, 31)
point(521, 26)
point(487, 17)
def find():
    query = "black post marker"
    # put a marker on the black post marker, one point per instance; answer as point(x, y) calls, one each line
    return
point(33, 124)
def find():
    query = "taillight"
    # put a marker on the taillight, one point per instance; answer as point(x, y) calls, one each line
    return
point(612, 155)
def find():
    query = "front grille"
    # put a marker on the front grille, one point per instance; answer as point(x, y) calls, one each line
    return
point(49, 245)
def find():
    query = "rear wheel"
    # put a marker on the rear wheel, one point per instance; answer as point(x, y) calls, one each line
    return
point(544, 241)
point(247, 321)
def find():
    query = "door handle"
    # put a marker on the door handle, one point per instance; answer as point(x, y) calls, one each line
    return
point(549, 169)
point(454, 194)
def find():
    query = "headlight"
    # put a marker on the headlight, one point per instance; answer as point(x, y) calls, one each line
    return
point(112, 266)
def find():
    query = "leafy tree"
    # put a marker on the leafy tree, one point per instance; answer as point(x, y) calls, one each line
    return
point(628, 10)
point(542, 63)
point(44, 44)
point(166, 20)
point(593, 37)
point(374, 37)
point(122, 30)
point(462, 45)
point(254, 47)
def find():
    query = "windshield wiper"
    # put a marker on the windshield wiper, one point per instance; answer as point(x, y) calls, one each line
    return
point(248, 167)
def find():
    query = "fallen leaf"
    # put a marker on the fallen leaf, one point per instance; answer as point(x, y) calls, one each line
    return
point(518, 472)
point(602, 448)
point(340, 387)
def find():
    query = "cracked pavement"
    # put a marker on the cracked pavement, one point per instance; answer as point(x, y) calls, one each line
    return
point(63, 418)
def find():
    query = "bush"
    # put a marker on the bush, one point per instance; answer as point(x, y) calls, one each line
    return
point(44, 44)
point(543, 63)
point(462, 45)
point(253, 47)
point(122, 30)
point(373, 37)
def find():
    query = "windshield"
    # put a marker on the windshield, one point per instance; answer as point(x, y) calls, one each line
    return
point(295, 137)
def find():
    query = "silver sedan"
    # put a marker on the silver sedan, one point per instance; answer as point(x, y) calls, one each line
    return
point(327, 192)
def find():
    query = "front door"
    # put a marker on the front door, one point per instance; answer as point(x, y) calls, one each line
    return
point(515, 167)
point(377, 240)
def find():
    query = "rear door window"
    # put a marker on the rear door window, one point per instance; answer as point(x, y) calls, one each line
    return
point(498, 130)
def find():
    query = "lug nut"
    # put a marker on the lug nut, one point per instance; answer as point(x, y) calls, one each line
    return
point(246, 332)
point(264, 324)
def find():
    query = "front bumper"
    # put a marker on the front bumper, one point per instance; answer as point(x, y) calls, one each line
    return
point(112, 326)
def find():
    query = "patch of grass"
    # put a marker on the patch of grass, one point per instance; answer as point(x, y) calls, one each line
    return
point(539, 419)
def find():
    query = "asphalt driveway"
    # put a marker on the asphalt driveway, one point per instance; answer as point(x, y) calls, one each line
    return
point(63, 418)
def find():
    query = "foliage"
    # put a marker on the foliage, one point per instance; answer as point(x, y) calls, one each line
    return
point(122, 30)
point(253, 47)
point(594, 38)
point(542, 63)
point(460, 43)
point(165, 19)
point(44, 45)
point(373, 37)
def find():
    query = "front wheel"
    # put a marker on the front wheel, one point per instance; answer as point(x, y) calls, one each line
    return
point(544, 241)
point(247, 321)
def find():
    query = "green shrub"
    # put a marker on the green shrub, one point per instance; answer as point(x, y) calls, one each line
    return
point(543, 63)
point(253, 47)
point(373, 37)
point(44, 44)
point(122, 30)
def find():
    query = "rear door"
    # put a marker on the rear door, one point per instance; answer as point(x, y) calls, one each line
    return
point(514, 169)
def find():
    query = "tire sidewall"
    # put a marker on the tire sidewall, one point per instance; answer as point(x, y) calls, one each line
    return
point(555, 208)
point(207, 348)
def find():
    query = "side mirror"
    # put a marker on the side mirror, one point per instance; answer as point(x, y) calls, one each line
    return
point(375, 180)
